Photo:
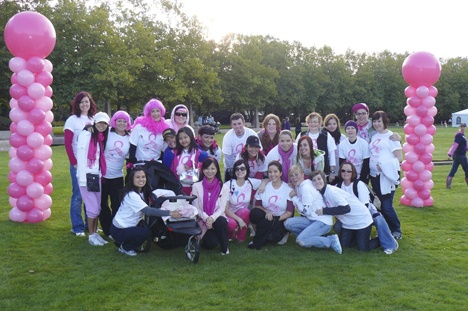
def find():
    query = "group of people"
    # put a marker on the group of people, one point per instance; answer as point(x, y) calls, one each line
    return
point(267, 177)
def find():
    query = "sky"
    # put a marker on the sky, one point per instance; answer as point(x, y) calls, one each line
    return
point(438, 27)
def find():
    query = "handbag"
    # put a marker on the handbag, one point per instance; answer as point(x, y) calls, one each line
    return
point(92, 182)
point(190, 176)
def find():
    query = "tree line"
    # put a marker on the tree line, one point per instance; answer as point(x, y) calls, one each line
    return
point(126, 52)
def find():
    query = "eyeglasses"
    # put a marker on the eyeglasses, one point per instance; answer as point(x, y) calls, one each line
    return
point(181, 114)
point(346, 171)
point(360, 113)
point(240, 169)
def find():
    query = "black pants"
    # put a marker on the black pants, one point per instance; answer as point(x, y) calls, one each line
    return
point(110, 189)
point(217, 235)
point(130, 238)
point(267, 230)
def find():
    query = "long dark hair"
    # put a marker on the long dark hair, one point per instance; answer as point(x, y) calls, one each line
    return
point(193, 143)
point(75, 104)
point(129, 186)
point(239, 163)
point(95, 133)
point(311, 147)
point(208, 162)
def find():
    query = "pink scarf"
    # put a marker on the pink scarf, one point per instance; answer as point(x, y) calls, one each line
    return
point(286, 161)
point(155, 127)
point(92, 153)
point(211, 192)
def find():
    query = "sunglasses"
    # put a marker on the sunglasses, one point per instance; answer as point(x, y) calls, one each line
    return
point(240, 169)
point(360, 113)
point(346, 171)
point(179, 114)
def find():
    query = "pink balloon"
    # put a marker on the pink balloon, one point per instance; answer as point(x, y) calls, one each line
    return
point(411, 157)
point(17, 114)
point(408, 129)
point(426, 139)
point(429, 166)
point(429, 184)
point(44, 128)
point(433, 91)
point(421, 68)
point(11, 177)
point(427, 102)
point(417, 202)
point(425, 158)
point(17, 140)
point(43, 202)
point(25, 77)
point(412, 139)
point(429, 202)
point(35, 140)
point(13, 127)
point(45, 78)
point(24, 127)
point(48, 140)
point(29, 34)
point(17, 64)
point(405, 201)
point(405, 166)
point(420, 129)
point(43, 178)
point(12, 201)
point(413, 101)
point(411, 175)
point(14, 78)
point(46, 214)
point(13, 103)
point(48, 164)
point(45, 103)
point(427, 120)
point(24, 178)
point(421, 111)
point(12, 153)
point(418, 185)
point(16, 91)
point(48, 65)
point(410, 193)
point(405, 183)
point(410, 91)
point(407, 147)
point(48, 189)
point(432, 111)
point(25, 153)
point(15, 190)
point(43, 153)
point(420, 148)
point(26, 103)
point(35, 166)
point(35, 64)
point(36, 90)
point(431, 130)
point(35, 215)
point(36, 115)
point(413, 120)
point(49, 116)
point(425, 175)
point(430, 148)
point(48, 91)
point(35, 190)
point(24, 203)
point(422, 91)
point(418, 166)
point(16, 165)
point(17, 215)
point(409, 110)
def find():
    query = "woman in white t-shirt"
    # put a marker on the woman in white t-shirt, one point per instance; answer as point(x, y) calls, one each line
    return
point(125, 231)
point(254, 157)
point(83, 110)
point(285, 153)
point(116, 152)
point(309, 158)
point(241, 191)
point(272, 208)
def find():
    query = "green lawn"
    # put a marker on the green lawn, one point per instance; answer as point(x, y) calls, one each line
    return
point(44, 267)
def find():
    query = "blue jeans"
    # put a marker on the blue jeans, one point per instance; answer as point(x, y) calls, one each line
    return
point(78, 225)
point(457, 161)
point(386, 207)
point(309, 232)
point(383, 231)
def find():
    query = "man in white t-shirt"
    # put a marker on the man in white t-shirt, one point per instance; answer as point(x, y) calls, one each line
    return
point(234, 141)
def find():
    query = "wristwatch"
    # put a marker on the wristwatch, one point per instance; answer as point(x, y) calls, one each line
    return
point(333, 172)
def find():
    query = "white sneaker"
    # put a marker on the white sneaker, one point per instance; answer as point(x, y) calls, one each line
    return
point(389, 251)
point(284, 240)
point(129, 253)
point(335, 243)
point(101, 239)
point(94, 240)
point(252, 230)
point(80, 234)
point(226, 253)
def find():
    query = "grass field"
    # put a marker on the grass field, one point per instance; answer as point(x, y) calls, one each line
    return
point(44, 267)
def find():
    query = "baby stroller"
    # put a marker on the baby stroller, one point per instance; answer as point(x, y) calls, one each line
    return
point(170, 233)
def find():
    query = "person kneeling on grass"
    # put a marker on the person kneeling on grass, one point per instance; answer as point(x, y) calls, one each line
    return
point(311, 228)
point(354, 216)
point(125, 228)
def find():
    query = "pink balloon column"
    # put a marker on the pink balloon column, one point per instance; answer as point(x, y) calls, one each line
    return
point(420, 70)
point(30, 37)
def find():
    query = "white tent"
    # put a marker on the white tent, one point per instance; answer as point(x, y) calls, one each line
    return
point(459, 117)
